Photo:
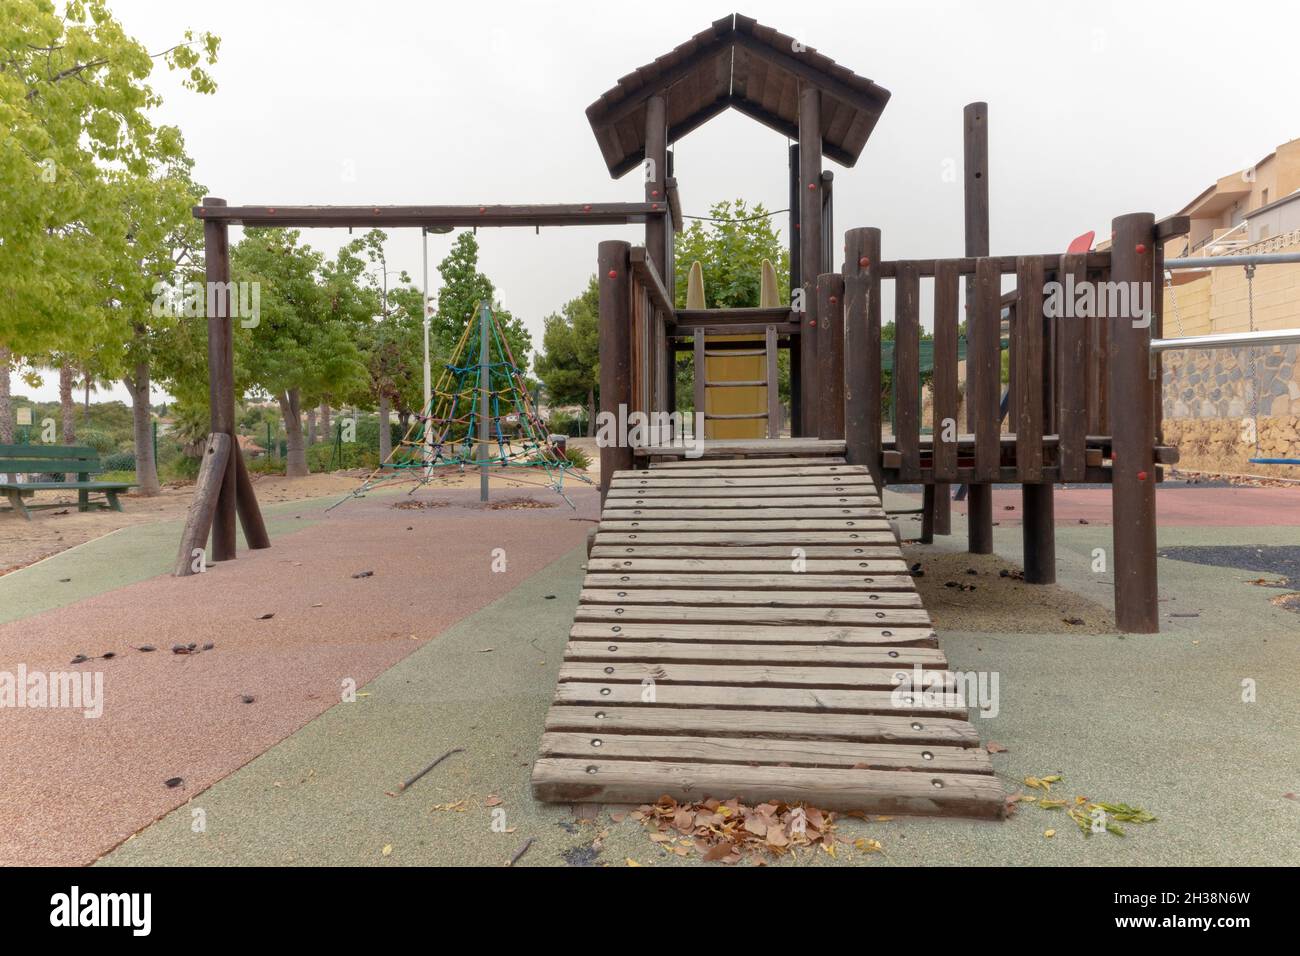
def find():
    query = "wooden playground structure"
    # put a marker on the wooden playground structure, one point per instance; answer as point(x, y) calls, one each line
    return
point(747, 620)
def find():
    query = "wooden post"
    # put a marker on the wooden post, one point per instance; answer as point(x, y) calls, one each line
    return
point(975, 145)
point(613, 268)
point(862, 388)
point(1133, 473)
point(771, 374)
point(810, 250)
point(700, 381)
point(1038, 532)
point(830, 354)
point(656, 154)
point(216, 456)
point(944, 453)
point(796, 282)
point(250, 515)
point(1032, 362)
point(221, 376)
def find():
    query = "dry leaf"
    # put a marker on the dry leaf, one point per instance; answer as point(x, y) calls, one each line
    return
point(493, 801)
point(995, 748)
point(1049, 833)
point(387, 850)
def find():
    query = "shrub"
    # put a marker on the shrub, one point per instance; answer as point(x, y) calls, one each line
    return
point(354, 455)
point(180, 468)
point(101, 441)
point(118, 461)
point(577, 457)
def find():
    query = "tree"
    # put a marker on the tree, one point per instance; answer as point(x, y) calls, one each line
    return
point(569, 366)
point(304, 343)
point(463, 288)
point(76, 106)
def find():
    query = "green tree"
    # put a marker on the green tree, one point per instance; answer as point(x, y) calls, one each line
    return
point(569, 365)
point(463, 288)
point(304, 344)
point(76, 105)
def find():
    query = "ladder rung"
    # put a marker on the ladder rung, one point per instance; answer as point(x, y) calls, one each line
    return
point(737, 384)
point(754, 415)
point(732, 353)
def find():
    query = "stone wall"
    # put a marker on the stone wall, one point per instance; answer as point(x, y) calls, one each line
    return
point(1209, 406)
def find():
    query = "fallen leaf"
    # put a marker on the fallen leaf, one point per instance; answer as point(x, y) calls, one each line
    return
point(388, 849)
point(632, 862)
point(1049, 833)
point(995, 748)
point(493, 801)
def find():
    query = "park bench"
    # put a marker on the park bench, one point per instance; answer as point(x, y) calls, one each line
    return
point(69, 459)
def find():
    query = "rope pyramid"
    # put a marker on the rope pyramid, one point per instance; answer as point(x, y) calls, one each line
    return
point(446, 432)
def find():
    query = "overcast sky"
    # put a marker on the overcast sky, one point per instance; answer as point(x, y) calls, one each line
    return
point(1095, 109)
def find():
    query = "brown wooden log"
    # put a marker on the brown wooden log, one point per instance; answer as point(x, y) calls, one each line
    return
point(1030, 362)
point(830, 354)
point(907, 370)
point(221, 374)
point(862, 373)
point(613, 271)
point(473, 216)
point(772, 375)
point(1133, 487)
point(656, 153)
point(203, 506)
point(945, 373)
point(250, 515)
point(983, 371)
point(1071, 387)
point(975, 161)
point(1038, 531)
point(810, 249)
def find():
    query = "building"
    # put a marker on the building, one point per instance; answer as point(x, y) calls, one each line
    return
point(1226, 406)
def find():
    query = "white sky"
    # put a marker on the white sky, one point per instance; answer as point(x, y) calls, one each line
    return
point(1095, 109)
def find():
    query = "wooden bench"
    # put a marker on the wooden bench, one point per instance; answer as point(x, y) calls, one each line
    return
point(73, 459)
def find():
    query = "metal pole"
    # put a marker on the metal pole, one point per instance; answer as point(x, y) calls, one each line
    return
point(485, 392)
point(428, 375)
point(1228, 340)
point(1214, 262)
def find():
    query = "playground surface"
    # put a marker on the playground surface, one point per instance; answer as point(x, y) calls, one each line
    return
point(447, 654)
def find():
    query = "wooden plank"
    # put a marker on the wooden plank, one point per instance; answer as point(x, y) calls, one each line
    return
point(760, 452)
point(1030, 360)
point(774, 616)
point(878, 634)
point(983, 369)
point(762, 698)
point(945, 372)
point(866, 728)
point(845, 539)
point(811, 506)
point(714, 566)
point(831, 788)
point(790, 581)
point(678, 512)
point(809, 495)
point(746, 600)
point(766, 752)
point(701, 652)
point(1072, 378)
point(745, 674)
point(738, 526)
point(700, 373)
point(760, 460)
point(730, 553)
point(692, 480)
point(907, 375)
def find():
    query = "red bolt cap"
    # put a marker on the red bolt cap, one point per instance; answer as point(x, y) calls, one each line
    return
point(864, 262)
point(834, 300)
point(613, 274)
point(812, 321)
point(587, 208)
point(812, 185)
point(1142, 476)
point(654, 192)
point(1141, 248)
point(482, 208)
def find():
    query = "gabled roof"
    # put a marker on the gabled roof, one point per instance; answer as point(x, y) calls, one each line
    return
point(737, 63)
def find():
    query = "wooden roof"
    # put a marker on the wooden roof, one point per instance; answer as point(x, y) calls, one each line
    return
point(737, 63)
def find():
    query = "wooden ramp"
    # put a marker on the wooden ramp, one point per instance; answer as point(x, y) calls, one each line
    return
point(703, 663)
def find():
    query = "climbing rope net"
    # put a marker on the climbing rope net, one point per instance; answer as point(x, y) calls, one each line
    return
point(451, 431)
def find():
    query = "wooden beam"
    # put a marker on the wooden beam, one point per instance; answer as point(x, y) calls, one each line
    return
point(555, 214)
point(613, 269)
point(862, 373)
point(203, 506)
point(656, 159)
point(975, 191)
point(221, 374)
point(810, 249)
point(644, 269)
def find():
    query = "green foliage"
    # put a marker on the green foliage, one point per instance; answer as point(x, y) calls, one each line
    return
point(463, 288)
point(569, 365)
point(731, 254)
point(577, 457)
point(324, 456)
point(119, 461)
point(79, 140)
point(180, 468)
point(102, 442)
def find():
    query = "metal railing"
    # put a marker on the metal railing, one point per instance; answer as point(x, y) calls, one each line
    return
point(1228, 340)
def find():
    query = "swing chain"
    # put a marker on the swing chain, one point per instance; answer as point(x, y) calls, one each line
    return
point(1250, 353)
